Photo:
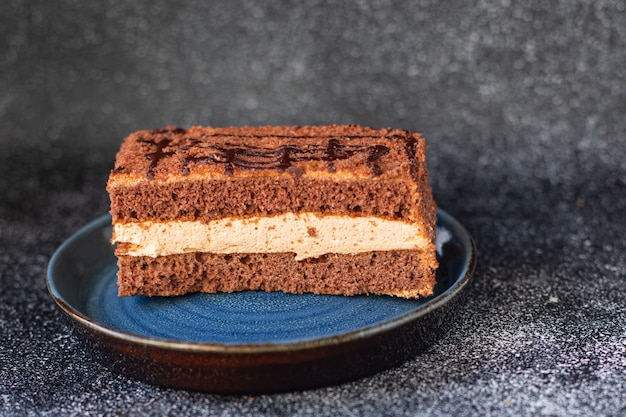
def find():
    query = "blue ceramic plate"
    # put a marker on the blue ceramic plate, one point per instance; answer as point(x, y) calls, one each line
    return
point(218, 330)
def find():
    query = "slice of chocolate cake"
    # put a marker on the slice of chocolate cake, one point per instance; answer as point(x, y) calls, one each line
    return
point(328, 210)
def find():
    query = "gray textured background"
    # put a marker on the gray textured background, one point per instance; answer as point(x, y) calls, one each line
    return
point(524, 107)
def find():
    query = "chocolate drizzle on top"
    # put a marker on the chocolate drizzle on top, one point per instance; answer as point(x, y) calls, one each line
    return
point(375, 153)
point(160, 145)
point(333, 150)
point(410, 151)
point(157, 155)
point(250, 157)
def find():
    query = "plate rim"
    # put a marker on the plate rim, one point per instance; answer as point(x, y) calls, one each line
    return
point(364, 333)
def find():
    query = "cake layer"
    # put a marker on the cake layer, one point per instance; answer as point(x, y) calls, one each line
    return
point(408, 274)
point(205, 199)
point(209, 173)
point(306, 234)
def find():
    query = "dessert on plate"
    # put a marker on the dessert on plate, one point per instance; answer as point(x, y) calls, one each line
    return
point(314, 209)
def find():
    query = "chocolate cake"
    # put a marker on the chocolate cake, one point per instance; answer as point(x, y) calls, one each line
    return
point(322, 209)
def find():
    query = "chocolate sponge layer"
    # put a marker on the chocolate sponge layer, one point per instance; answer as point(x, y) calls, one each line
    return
point(390, 272)
point(207, 173)
point(206, 200)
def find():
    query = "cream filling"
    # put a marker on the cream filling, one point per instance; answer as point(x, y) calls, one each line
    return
point(307, 235)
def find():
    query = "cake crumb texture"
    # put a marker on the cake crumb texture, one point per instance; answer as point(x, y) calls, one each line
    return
point(385, 273)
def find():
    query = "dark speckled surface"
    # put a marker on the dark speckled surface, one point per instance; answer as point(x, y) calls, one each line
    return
point(523, 105)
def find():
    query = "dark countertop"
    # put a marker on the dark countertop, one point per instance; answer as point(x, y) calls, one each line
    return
point(523, 104)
